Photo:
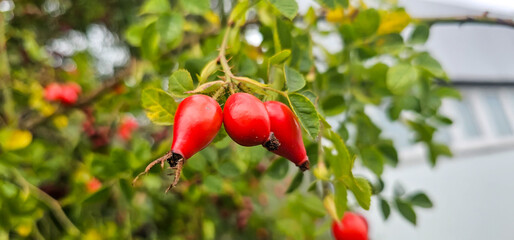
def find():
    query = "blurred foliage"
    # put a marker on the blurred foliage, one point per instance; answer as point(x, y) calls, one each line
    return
point(66, 172)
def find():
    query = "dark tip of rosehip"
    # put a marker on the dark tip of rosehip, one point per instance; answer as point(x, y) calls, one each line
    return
point(305, 166)
point(174, 159)
point(272, 144)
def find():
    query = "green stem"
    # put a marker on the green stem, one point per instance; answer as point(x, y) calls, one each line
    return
point(229, 76)
point(8, 106)
point(50, 202)
point(218, 93)
point(222, 56)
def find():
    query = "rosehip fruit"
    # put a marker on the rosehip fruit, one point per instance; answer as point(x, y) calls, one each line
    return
point(352, 227)
point(93, 185)
point(68, 95)
point(53, 92)
point(127, 126)
point(246, 119)
point(197, 121)
point(287, 130)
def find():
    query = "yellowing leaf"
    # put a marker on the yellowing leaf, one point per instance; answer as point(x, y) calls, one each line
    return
point(24, 229)
point(335, 15)
point(15, 139)
point(393, 22)
point(60, 121)
point(212, 18)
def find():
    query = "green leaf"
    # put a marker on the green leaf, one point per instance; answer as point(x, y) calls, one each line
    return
point(238, 12)
point(288, 8)
point(421, 200)
point(448, 92)
point(333, 105)
point(343, 3)
point(97, 197)
point(207, 87)
point(436, 150)
point(180, 83)
point(419, 35)
point(247, 67)
point(290, 227)
point(327, 3)
point(278, 169)
point(312, 186)
point(400, 77)
point(297, 180)
point(159, 106)
point(169, 27)
point(389, 151)
point(406, 210)
point(361, 189)
point(311, 96)
point(386, 209)
point(312, 204)
point(340, 198)
point(197, 162)
point(229, 169)
point(213, 184)
point(373, 160)
point(279, 57)
point(155, 6)
point(150, 42)
point(428, 63)
point(306, 113)
point(210, 68)
point(294, 80)
point(134, 34)
point(342, 164)
point(367, 22)
point(196, 6)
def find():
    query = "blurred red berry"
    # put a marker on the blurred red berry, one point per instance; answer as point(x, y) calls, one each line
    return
point(352, 227)
point(69, 95)
point(93, 185)
point(53, 92)
point(65, 93)
point(127, 126)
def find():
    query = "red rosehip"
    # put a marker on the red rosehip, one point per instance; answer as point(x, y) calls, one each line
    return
point(53, 92)
point(69, 95)
point(287, 130)
point(127, 126)
point(93, 185)
point(246, 119)
point(352, 227)
point(197, 121)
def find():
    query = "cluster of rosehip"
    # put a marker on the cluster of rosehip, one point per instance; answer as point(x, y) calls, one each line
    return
point(66, 93)
point(247, 120)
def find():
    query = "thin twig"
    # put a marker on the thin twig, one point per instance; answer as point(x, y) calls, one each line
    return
point(469, 19)
point(50, 202)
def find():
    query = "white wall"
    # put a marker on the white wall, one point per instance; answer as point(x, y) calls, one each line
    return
point(473, 199)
